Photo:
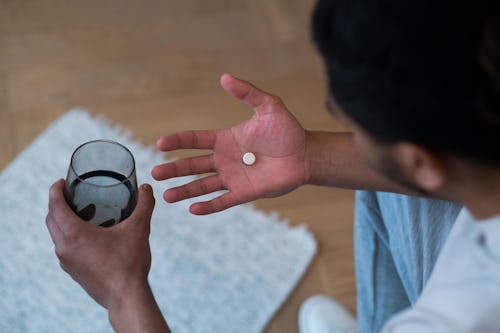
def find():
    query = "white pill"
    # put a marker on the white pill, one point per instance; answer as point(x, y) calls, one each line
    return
point(249, 158)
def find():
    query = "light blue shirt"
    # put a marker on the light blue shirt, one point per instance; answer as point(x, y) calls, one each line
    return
point(463, 291)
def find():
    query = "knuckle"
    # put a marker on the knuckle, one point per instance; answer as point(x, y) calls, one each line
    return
point(274, 100)
point(191, 165)
point(61, 253)
point(187, 192)
point(175, 168)
point(65, 251)
point(195, 139)
point(53, 190)
point(219, 204)
point(277, 100)
point(178, 139)
point(268, 99)
point(203, 187)
point(71, 237)
point(55, 196)
point(64, 267)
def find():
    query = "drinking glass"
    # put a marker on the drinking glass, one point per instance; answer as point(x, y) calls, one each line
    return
point(101, 185)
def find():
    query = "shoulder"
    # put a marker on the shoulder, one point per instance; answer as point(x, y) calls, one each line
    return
point(462, 294)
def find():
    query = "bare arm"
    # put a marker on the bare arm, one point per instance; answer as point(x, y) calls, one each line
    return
point(333, 160)
point(137, 311)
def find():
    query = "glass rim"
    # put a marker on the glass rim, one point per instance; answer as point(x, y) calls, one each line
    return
point(77, 175)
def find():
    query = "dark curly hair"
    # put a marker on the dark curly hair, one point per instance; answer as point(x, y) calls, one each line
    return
point(425, 71)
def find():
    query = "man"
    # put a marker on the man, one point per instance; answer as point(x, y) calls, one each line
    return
point(419, 84)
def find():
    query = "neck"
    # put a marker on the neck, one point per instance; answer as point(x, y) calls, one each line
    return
point(484, 208)
point(478, 188)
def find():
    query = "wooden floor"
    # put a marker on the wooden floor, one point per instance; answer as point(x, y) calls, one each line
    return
point(153, 66)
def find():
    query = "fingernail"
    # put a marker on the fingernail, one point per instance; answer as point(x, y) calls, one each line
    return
point(147, 187)
point(158, 142)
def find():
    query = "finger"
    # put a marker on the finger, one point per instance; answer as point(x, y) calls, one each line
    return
point(144, 207)
point(184, 167)
point(55, 233)
point(225, 201)
point(61, 213)
point(187, 140)
point(194, 189)
point(261, 101)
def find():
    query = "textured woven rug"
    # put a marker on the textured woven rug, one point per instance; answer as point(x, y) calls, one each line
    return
point(226, 272)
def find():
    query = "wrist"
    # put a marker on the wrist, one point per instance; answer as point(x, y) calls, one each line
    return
point(136, 310)
point(128, 297)
point(309, 157)
point(331, 159)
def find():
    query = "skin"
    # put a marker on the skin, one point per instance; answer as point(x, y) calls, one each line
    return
point(278, 141)
point(112, 264)
point(417, 170)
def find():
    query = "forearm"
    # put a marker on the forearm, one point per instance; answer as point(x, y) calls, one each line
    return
point(333, 160)
point(137, 311)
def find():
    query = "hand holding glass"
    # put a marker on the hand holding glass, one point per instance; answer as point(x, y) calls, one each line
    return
point(101, 185)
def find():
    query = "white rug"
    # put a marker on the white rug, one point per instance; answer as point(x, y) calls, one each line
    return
point(226, 272)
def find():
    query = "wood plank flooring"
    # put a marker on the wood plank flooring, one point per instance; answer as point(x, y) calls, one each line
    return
point(153, 66)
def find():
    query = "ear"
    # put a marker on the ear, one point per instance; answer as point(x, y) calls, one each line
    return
point(425, 167)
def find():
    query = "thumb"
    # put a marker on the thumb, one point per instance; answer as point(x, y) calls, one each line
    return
point(144, 207)
point(260, 100)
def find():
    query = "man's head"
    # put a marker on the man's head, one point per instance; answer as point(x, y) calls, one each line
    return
point(421, 75)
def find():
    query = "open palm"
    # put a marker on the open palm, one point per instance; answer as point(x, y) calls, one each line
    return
point(272, 134)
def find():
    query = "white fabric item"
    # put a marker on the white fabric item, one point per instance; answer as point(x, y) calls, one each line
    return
point(225, 272)
point(463, 291)
point(321, 314)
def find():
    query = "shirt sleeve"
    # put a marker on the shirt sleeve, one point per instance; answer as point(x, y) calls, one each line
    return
point(417, 320)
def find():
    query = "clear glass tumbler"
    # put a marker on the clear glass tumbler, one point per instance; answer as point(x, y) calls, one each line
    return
point(101, 185)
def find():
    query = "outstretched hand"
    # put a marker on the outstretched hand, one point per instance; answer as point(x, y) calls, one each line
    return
point(273, 134)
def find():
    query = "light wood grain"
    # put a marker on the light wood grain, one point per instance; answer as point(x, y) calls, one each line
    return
point(154, 66)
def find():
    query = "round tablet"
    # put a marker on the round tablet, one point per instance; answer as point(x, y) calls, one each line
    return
point(249, 158)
